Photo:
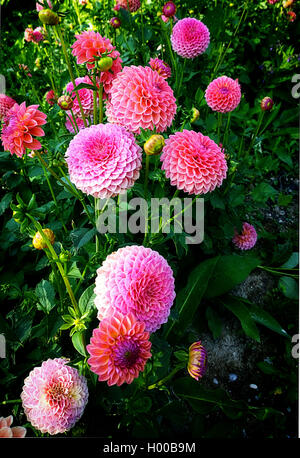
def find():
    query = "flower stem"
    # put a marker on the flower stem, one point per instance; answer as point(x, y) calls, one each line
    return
point(260, 120)
point(100, 102)
point(168, 377)
point(146, 175)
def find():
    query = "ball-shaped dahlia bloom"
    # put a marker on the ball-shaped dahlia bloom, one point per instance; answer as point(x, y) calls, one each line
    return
point(6, 430)
point(169, 9)
point(51, 97)
point(104, 160)
point(266, 104)
point(85, 95)
point(197, 363)
point(161, 67)
point(247, 239)
point(133, 5)
point(141, 98)
point(5, 105)
point(91, 46)
point(190, 38)
point(119, 349)
point(40, 7)
point(54, 396)
point(193, 162)
point(135, 280)
point(223, 94)
point(20, 125)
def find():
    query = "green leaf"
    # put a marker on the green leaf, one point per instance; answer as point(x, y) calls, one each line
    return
point(5, 201)
point(86, 238)
point(78, 344)
point(289, 287)
point(74, 272)
point(292, 262)
point(262, 192)
point(214, 322)
point(181, 355)
point(46, 295)
point(229, 272)
point(262, 317)
point(86, 301)
point(243, 314)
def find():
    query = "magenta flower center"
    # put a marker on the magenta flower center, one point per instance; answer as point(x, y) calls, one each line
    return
point(126, 353)
point(224, 90)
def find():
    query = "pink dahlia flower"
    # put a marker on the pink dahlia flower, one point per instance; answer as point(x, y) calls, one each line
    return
point(28, 34)
point(134, 5)
point(7, 431)
point(5, 105)
point(161, 67)
point(51, 97)
point(193, 162)
point(166, 19)
point(169, 9)
point(190, 38)
point(119, 349)
point(41, 7)
point(141, 98)
point(223, 94)
point(247, 239)
point(104, 160)
point(54, 396)
point(85, 95)
point(38, 34)
point(135, 280)
point(20, 125)
point(272, 2)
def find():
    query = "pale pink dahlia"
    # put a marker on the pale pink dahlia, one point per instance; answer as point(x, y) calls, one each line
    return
point(41, 7)
point(20, 125)
point(190, 38)
point(5, 105)
point(7, 431)
point(247, 239)
point(104, 160)
point(119, 349)
point(193, 162)
point(141, 98)
point(223, 94)
point(54, 396)
point(85, 95)
point(134, 5)
point(161, 67)
point(135, 280)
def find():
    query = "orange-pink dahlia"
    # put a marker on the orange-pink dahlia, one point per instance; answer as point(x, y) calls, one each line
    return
point(119, 349)
point(193, 162)
point(137, 280)
point(20, 125)
point(223, 94)
point(190, 38)
point(5, 105)
point(247, 239)
point(6, 430)
point(141, 98)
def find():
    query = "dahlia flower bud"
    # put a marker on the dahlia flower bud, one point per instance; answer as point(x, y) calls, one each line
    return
point(266, 104)
point(115, 22)
point(38, 241)
point(169, 9)
point(291, 16)
point(154, 145)
point(105, 63)
point(195, 115)
point(48, 17)
point(65, 102)
point(197, 364)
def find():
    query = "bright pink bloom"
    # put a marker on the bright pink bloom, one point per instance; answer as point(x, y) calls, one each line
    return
point(85, 95)
point(190, 38)
point(54, 396)
point(7, 431)
point(273, 1)
point(51, 97)
point(41, 7)
point(291, 16)
point(223, 94)
point(119, 349)
point(28, 34)
point(193, 162)
point(104, 160)
point(247, 239)
point(141, 98)
point(5, 105)
point(135, 280)
point(134, 5)
point(38, 35)
point(161, 67)
point(20, 125)
point(169, 9)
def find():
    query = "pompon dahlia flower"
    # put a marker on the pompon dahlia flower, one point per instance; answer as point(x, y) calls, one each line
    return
point(161, 67)
point(133, 5)
point(137, 280)
point(247, 239)
point(223, 94)
point(85, 95)
point(20, 125)
point(6, 430)
point(193, 162)
point(54, 396)
point(41, 7)
point(169, 9)
point(119, 349)
point(190, 38)
point(141, 98)
point(5, 105)
point(197, 364)
point(104, 160)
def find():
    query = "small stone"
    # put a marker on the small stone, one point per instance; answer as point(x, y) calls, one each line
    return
point(215, 381)
point(253, 386)
point(233, 377)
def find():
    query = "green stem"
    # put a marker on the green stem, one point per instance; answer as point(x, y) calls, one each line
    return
point(260, 120)
point(275, 272)
point(219, 126)
point(11, 401)
point(96, 219)
point(95, 97)
point(100, 102)
point(146, 175)
point(226, 129)
point(168, 377)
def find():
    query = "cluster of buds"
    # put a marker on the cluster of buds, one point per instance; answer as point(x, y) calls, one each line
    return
point(154, 145)
point(38, 241)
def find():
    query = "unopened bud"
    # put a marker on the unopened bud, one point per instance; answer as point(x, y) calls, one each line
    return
point(48, 17)
point(105, 63)
point(154, 145)
point(195, 114)
point(266, 104)
point(65, 102)
point(115, 22)
point(38, 241)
